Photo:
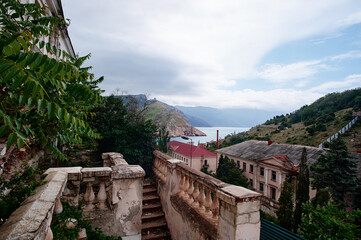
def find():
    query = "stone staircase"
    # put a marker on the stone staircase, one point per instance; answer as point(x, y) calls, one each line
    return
point(154, 225)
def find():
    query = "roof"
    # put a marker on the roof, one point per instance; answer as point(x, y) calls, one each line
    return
point(281, 161)
point(255, 150)
point(270, 231)
point(185, 149)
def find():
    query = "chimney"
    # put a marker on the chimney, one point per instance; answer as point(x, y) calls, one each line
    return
point(269, 143)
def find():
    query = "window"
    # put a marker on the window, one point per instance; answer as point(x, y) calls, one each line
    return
point(261, 187)
point(205, 162)
point(251, 182)
point(244, 166)
point(273, 176)
point(238, 164)
point(261, 171)
point(273, 193)
point(251, 168)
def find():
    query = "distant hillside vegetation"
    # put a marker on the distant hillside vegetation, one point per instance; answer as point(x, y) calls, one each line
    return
point(162, 114)
point(311, 124)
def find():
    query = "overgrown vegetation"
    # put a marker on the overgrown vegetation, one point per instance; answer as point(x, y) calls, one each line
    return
point(329, 222)
point(228, 172)
point(285, 210)
point(43, 99)
point(336, 171)
point(21, 186)
point(124, 130)
point(61, 232)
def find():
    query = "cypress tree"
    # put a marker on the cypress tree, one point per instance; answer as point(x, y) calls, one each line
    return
point(285, 210)
point(303, 188)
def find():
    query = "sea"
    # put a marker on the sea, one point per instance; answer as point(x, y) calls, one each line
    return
point(212, 134)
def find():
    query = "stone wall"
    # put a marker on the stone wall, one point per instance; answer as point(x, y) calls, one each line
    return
point(198, 206)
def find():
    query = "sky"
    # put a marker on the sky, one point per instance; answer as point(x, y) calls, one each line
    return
point(258, 54)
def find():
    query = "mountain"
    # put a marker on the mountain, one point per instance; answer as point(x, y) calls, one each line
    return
point(162, 114)
point(228, 117)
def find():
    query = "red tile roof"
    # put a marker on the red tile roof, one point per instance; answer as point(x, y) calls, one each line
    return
point(287, 162)
point(185, 149)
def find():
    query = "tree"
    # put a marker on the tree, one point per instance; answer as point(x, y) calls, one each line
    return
point(285, 210)
point(228, 172)
point(336, 171)
point(125, 132)
point(43, 100)
point(328, 222)
point(163, 139)
point(303, 188)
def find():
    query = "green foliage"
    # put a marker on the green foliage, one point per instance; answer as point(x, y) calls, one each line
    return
point(22, 186)
point(228, 172)
point(285, 210)
point(126, 132)
point(42, 99)
point(60, 232)
point(336, 171)
point(322, 198)
point(328, 222)
point(163, 139)
point(322, 111)
point(303, 188)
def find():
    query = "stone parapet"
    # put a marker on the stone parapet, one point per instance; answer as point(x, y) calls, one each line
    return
point(112, 200)
point(198, 206)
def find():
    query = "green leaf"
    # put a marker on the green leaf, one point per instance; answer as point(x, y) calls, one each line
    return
point(31, 102)
point(41, 104)
point(11, 140)
point(20, 143)
point(21, 100)
point(68, 118)
point(31, 58)
point(11, 74)
point(51, 108)
point(61, 113)
point(48, 47)
point(41, 44)
point(4, 130)
point(4, 66)
point(23, 43)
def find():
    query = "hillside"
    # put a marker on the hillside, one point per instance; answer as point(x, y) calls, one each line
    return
point(162, 114)
point(173, 119)
point(311, 125)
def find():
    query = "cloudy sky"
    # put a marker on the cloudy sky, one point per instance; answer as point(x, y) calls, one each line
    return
point(264, 54)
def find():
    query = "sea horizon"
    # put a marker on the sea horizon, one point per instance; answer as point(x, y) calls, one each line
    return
point(211, 134)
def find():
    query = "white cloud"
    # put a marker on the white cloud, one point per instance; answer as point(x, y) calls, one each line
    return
point(348, 55)
point(278, 73)
point(350, 81)
point(209, 43)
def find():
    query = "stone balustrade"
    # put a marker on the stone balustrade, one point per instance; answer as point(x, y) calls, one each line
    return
point(112, 200)
point(198, 206)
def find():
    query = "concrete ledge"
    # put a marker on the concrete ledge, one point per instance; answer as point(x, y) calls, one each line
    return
point(74, 173)
point(34, 214)
point(127, 171)
point(96, 172)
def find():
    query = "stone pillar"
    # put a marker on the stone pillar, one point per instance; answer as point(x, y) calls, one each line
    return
point(239, 216)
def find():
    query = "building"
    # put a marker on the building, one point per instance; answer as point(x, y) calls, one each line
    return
point(60, 38)
point(194, 156)
point(267, 165)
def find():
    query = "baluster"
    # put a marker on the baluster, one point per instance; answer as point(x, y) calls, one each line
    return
point(215, 206)
point(186, 186)
point(190, 190)
point(195, 194)
point(89, 197)
point(181, 185)
point(201, 198)
point(102, 195)
point(58, 207)
point(208, 203)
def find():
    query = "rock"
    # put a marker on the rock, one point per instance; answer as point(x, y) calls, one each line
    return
point(71, 223)
point(82, 234)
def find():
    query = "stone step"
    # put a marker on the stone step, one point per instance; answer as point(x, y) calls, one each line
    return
point(149, 185)
point(150, 198)
point(151, 207)
point(153, 215)
point(149, 191)
point(161, 223)
point(156, 236)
